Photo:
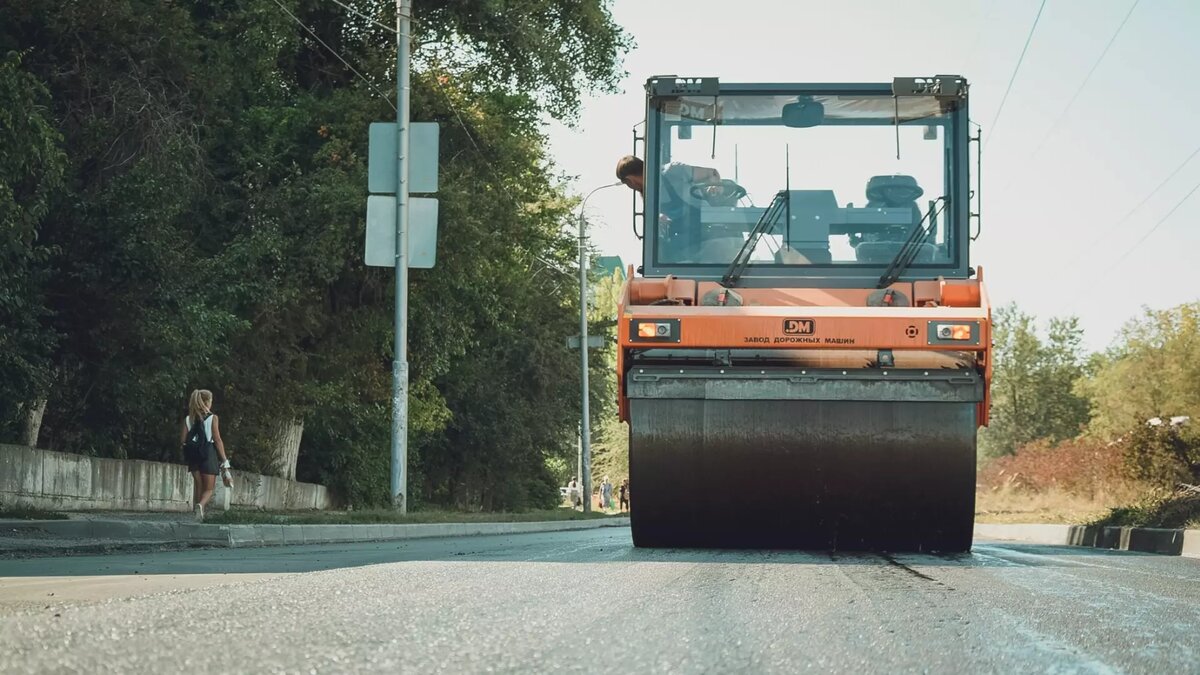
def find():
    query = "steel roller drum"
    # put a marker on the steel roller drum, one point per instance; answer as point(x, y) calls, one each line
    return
point(813, 459)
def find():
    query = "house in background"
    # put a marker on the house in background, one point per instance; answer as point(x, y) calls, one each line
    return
point(607, 264)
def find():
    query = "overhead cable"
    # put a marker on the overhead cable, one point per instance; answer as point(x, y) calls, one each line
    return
point(339, 56)
point(1016, 69)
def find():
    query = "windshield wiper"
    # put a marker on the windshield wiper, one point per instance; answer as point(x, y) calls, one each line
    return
point(912, 246)
point(766, 224)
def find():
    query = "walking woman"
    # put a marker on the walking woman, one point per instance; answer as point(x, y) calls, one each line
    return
point(203, 449)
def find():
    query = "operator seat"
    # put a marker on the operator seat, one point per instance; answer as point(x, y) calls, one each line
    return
point(880, 246)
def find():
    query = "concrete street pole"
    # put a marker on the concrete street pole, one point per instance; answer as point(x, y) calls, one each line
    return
point(585, 447)
point(399, 473)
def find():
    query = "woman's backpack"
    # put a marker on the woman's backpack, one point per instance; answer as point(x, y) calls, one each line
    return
point(196, 443)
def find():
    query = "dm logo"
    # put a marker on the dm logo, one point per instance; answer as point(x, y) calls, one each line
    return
point(799, 326)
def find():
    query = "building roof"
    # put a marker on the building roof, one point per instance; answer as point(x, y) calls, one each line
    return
point(610, 263)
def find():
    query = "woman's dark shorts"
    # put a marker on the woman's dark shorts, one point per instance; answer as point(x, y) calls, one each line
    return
point(205, 461)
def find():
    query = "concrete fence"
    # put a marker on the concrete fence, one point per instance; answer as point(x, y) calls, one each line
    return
point(57, 480)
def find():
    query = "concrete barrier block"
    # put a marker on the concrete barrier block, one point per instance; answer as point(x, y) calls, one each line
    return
point(55, 480)
point(20, 470)
point(1054, 535)
point(1191, 544)
point(1112, 537)
point(1155, 540)
point(67, 476)
point(107, 478)
point(1084, 535)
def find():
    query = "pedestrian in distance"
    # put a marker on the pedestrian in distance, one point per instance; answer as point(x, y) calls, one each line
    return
point(574, 493)
point(606, 490)
point(624, 495)
point(203, 449)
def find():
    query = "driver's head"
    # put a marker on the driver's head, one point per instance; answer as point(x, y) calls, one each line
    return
point(631, 171)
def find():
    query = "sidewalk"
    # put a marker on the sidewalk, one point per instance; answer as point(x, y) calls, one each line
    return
point(99, 533)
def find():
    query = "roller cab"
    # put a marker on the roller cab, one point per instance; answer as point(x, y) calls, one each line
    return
point(804, 356)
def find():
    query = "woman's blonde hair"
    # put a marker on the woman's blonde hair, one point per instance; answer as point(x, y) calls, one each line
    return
point(199, 402)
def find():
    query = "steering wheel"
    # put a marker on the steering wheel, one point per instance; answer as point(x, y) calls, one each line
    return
point(727, 193)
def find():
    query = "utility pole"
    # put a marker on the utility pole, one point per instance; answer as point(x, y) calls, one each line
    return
point(399, 473)
point(585, 442)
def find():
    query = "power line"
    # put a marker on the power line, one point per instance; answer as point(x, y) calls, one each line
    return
point(1144, 237)
point(488, 164)
point(1016, 69)
point(339, 56)
point(1135, 209)
point(1087, 78)
point(1162, 220)
point(368, 18)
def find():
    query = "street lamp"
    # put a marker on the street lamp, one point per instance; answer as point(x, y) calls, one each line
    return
point(585, 449)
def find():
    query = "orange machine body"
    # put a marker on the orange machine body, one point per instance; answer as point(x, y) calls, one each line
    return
point(817, 327)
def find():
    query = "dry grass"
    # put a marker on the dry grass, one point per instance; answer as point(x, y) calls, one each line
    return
point(1074, 482)
point(1010, 505)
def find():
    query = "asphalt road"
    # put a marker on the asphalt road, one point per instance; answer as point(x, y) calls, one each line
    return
point(589, 601)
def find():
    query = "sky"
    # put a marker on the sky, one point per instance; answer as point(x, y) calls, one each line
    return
point(1064, 188)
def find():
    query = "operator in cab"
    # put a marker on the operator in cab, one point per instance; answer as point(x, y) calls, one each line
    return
point(679, 234)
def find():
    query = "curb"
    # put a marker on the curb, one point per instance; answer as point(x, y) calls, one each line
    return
point(1162, 541)
point(241, 536)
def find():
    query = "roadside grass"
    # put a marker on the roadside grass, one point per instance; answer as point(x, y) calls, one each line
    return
point(248, 517)
point(1009, 505)
point(29, 513)
point(1178, 509)
point(1073, 482)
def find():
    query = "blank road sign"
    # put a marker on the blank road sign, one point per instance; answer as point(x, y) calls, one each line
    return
point(382, 153)
point(381, 232)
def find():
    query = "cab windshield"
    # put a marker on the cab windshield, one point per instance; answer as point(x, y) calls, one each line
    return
point(851, 177)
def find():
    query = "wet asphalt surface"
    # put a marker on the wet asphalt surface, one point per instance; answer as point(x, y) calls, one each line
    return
point(589, 601)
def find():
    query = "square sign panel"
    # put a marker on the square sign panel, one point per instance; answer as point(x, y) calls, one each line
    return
point(381, 232)
point(423, 143)
point(423, 140)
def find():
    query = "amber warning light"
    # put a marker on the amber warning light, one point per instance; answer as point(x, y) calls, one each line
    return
point(650, 330)
point(954, 332)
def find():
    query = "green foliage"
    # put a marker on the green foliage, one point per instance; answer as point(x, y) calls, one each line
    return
point(31, 166)
point(610, 436)
point(1163, 455)
point(1153, 368)
point(554, 50)
point(1161, 508)
point(207, 231)
point(1033, 380)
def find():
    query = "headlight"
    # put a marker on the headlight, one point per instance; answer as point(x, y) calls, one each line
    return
point(954, 331)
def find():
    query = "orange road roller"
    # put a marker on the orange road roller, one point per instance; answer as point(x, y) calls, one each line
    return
point(804, 353)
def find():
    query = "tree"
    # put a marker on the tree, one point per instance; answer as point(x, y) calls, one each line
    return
point(208, 232)
point(610, 443)
point(1033, 380)
point(1152, 369)
point(31, 166)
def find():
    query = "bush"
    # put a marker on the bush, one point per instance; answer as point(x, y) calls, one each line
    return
point(1161, 508)
point(1078, 467)
point(1163, 455)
